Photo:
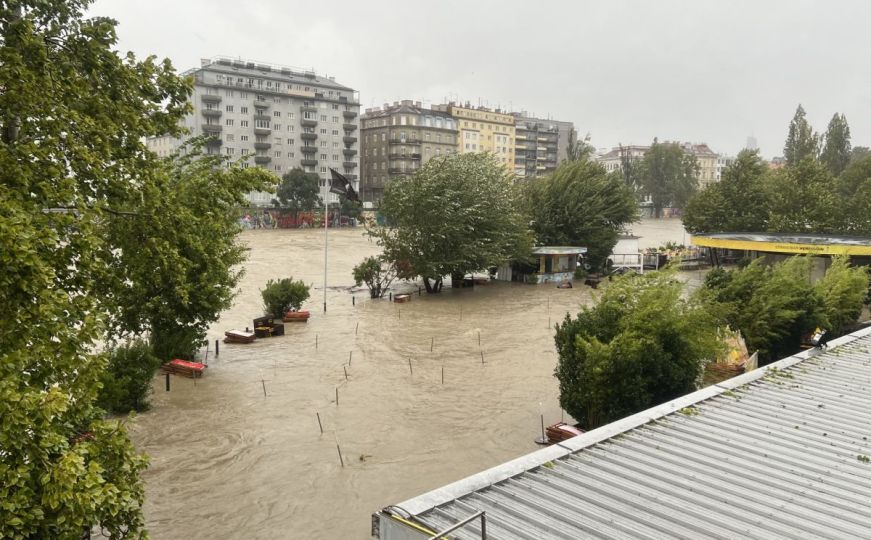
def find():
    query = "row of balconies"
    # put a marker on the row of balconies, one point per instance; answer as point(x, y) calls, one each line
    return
point(414, 156)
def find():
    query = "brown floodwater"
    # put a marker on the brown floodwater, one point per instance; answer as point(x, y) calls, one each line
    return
point(229, 462)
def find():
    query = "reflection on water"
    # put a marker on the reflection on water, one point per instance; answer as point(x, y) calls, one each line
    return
point(227, 462)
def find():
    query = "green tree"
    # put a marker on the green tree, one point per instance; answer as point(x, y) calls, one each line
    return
point(580, 149)
point(298, 191)
point(127, 378)
point(669, 175)
point(802, 199)
point(377, 273)
point(283, 295)
point(643, 343)
point(174, 257)
point(73, 117)
point(737, 203)
point(854, 190)
point(772, 306)
point(843, 289)
point(456, 215)
point(802, 142)
point(859, 152)
point(836, 148)
point(581, 205)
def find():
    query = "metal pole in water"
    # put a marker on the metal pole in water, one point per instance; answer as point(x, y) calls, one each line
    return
point(319, 422)
point(443, 374)
point(479, 338)
point(543, 438)
point(216, 348)
point(431, 343)
point(482, 357)
point(167, 381)
point(353, 300)
point(337, 396)
point(349, 357)
point(346, 372)
point(326, 243)
point(357, 328)
point(411, 371)
point(339, 450)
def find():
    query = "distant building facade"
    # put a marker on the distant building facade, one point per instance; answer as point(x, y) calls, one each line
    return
point(613, 160)
point(707, 161)
point(710, 163)
point(398, 139)
point(540, 145)
point(483, 130)
point(273, 117)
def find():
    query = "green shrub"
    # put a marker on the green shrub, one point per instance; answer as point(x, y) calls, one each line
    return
point(126, 382)
point(532, 279)
point(284, 295)
point(580, 272)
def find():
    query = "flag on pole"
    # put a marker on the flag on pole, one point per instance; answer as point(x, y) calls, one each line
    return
point(342, 186)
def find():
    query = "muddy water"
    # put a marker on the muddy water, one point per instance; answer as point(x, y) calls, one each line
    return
point(229, 462)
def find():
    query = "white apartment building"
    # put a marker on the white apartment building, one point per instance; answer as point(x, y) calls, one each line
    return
point(274, 117)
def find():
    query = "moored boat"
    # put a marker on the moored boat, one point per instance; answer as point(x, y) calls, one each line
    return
point(296, 316)
point(239, 336)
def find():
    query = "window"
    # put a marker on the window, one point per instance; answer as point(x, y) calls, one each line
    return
point(335, 107)
point(278, 141)
point(323, 118)
point(261, 124)
point(243, 138)
point(290, 154)
point(228, 121)
point(335, 157)
point(323, 169)
point(276, 127)
point(290, 115)
point(276, 113)
point(230, 151)
point(244, 151)
point(277, 153)
point(243, 123)
point(335, 132)
point(229, 108)
point(335, 145)
point(323, 157)
point(323, 131)
point(243, 110)
point(335, 119)
point(290, 127)
point(278, 167)
point(290, 141)
point(230, 137)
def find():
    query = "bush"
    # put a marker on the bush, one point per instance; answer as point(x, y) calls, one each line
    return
point(377, 273)
point(126, 382)
point(284, 295)
point(580, 272)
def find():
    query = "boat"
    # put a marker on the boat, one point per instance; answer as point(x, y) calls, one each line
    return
point(239, 336)
point(193, 370)
point(561, 431)
point(296, 316)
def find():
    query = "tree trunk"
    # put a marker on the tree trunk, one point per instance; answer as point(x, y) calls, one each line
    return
point(657, 212)
point(457, 279)
point(434, 287)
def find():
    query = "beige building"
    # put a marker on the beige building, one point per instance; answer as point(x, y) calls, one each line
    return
point(483, 130)
point(398, 139)
point(709, 161)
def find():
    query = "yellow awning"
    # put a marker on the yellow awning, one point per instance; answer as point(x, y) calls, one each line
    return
point(782, 247)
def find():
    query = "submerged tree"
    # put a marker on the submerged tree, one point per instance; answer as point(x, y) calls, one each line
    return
point(457, 214)
point(377, 273)
point(581, 205)
point(802, 199)
point(73, 118)
point(298, 191)
point(669, 175)
point(643, 343)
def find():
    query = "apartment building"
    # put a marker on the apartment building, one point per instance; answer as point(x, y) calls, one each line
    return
point(613, 160)
point(540, 144)
point(274, 117)
point(398, 139)
point(710, 163)
point(483, 130)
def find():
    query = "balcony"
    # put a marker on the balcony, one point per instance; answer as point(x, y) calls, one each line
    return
point(308, 149)
point(213, 141)
point(394, 170)
point(308, 136)
point(349, 164)
point(261, 103)
point(349, 114)
point(211, 98)
point(262, 130)
point(351, 177)
point(415, 156)
point(308, 162)
point(397, 140)
point(262, 160)
point(308, 123)
point(262, 117)
point(308, 108)
point(262, 145)
point(214, 113)
point(349, 127)
point(211, 128)
point(349, 152)
point(349, 140)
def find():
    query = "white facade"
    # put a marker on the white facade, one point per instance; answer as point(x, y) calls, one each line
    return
point(272, 117)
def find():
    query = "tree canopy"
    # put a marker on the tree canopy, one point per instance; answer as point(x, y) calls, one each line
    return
point(298, 191)
point(643, 343)
point(457, 214)
point(737, 203)
point(669, 175)
point(73, 117)
point(173, 257)
point(801, 142)
point(837, 150)
point(580, 205)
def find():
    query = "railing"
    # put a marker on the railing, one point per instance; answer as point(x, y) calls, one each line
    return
point(463, 523)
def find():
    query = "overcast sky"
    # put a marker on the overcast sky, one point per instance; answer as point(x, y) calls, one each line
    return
point(625, 72)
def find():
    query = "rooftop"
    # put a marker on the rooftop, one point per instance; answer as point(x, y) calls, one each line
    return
point(780, 452)
point(262, 69)
point(814, 244)
point(559, 250)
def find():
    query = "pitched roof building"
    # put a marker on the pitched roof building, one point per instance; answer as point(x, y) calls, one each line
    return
point(779, 452)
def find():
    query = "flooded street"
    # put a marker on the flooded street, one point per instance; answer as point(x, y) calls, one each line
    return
point(229, 462)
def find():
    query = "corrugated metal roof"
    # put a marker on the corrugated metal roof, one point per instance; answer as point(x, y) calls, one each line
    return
point(775, 453)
